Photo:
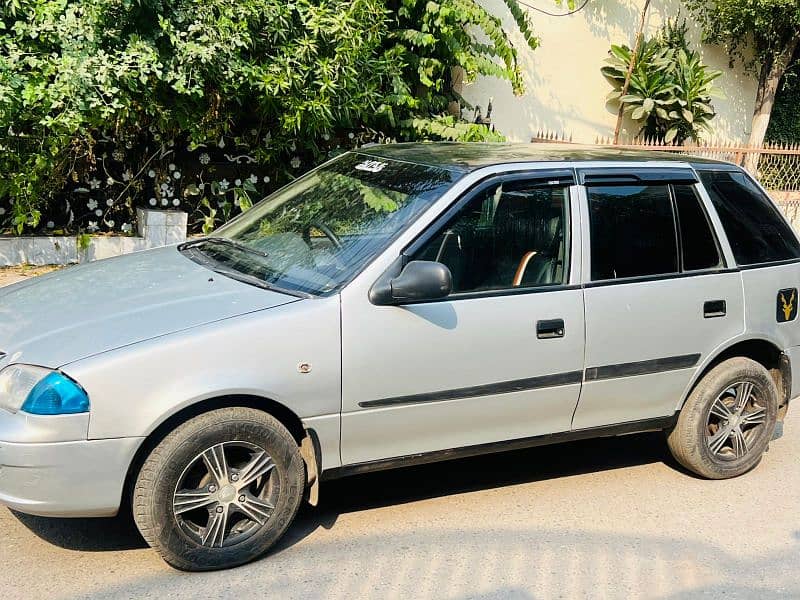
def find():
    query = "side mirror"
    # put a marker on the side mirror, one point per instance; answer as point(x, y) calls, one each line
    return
point(420, 280)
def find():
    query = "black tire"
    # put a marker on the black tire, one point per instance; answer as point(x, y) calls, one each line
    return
point(239, 434)
point(705, 438)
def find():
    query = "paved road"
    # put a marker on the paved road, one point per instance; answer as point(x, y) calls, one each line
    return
point(610, 518)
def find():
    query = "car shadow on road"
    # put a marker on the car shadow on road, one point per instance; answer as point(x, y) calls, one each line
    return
point(411, 484)
point(387, 488)
point(87, 535)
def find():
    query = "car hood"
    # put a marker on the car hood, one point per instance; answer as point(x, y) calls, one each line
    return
point(92, 308)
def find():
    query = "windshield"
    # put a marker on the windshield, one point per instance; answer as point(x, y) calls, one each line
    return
point(317, 233)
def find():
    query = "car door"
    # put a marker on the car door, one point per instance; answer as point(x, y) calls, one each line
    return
point(501, 358)
point(658, 291)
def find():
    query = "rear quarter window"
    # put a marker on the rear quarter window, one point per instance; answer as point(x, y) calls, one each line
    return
point(698, 245)
point(755, 229)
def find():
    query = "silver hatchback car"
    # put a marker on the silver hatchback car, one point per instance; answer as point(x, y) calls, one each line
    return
point(400, 304)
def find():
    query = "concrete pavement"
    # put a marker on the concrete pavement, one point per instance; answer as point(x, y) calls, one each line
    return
point(9, 275)
point(612, 518)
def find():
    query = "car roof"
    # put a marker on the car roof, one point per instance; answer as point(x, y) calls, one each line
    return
point(475, 155)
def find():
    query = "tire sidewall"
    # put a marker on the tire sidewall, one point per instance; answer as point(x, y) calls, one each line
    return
point(188, 443)
point(716, 382)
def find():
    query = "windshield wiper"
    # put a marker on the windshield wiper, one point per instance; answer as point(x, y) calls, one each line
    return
point(216, 267)
point(253, 280)
point(225, 242)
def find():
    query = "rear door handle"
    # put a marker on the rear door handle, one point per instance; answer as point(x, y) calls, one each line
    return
point(550, 328)
point(714, 308)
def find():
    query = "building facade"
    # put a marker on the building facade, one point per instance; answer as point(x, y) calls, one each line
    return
point(565, 90)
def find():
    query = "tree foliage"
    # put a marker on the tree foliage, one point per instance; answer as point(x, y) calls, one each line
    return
point(764, 35)
point(670, 90)
point(784, 126)
point(753, 31)
point(283, 78)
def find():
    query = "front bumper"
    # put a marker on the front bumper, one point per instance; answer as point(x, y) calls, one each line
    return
point(42, 475)
point(65, 479)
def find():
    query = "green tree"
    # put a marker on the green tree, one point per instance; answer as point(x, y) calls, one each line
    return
point(771, 29)
point(278, 75)
point(784, 126)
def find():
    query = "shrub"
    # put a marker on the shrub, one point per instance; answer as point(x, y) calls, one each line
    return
point(110, 104)
point(784, 126)
point(670, 89)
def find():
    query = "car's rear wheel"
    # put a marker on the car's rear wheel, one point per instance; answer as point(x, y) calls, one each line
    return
point(219, 490)
point(727, 421)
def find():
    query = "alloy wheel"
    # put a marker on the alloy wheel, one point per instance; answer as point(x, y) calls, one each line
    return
point(226, 494)
point(735, 421)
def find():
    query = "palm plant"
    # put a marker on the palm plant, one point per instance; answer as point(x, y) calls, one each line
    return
point(670, 89)
point(693, 90)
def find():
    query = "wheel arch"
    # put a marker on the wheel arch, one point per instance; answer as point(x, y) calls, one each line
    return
point(306, 439)
point(763, 351)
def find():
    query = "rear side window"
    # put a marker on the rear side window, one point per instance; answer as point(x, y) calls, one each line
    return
point(699, 248)
point(755, 229)
point(632, 231)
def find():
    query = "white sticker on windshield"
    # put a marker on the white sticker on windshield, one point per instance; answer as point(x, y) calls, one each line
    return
point(373, 166)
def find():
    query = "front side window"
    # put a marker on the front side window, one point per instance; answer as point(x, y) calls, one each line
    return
point(755, 229)
point(510, 235)
point(632, 231)
point(314, 235)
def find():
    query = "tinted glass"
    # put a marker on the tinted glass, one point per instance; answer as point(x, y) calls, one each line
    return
point(698, 245)
point(632, 231)
point(509, 235)
point(756, 231)
point(315, 234)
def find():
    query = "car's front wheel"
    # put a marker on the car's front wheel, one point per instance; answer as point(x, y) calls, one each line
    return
point(727, 421)
point(219, 490)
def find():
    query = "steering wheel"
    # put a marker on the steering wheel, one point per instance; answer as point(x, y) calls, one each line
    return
point(337, 243)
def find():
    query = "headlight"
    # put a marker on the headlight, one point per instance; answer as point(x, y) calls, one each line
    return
point(17, 382)
point(40, 391)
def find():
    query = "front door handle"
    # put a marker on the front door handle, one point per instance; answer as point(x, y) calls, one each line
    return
point(550, 328)
point(714, 308)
